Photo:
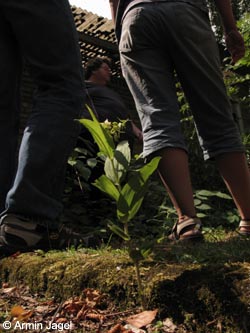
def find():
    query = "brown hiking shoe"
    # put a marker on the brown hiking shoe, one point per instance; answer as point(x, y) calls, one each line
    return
point(20, 234)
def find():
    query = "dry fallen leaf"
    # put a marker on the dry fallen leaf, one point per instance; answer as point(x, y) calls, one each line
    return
point(142, 319)
point(72, 306)
point(8, 290)
point(95, 316)
point(25, 316)
point(42, 309)
point(29, 299)
point(20, 314)
point(16, 311)
point(133, 329)
point(61, 320)
point(169, 324)
point(93, 296)
point(117, 329)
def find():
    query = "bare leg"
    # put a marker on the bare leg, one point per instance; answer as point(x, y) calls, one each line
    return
point(174, 173)
point(235, 173)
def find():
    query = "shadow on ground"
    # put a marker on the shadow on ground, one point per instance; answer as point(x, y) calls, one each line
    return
point(202, 288)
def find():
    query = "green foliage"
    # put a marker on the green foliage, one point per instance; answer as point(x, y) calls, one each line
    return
point(123, 182)
point(246, 143)
point(82, 162)
point(237, 77)
point(240, 7)
point(215, 206)
point(127, 194)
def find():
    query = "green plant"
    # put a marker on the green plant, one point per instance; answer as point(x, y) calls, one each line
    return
point(237, 77)
point(83, 160)
point(216, 208)
point(125, 182)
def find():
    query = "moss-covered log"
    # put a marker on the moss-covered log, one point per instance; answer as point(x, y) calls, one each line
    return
point(211, 297)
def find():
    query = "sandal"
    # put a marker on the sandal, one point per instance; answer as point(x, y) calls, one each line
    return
point(244, 224)
point(181, 230)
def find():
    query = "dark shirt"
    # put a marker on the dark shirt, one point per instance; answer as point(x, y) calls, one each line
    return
point(108, 105)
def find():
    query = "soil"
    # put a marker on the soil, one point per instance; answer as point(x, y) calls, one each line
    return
point(207, 289)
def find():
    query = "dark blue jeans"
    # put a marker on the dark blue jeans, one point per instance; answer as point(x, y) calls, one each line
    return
point(42, 32)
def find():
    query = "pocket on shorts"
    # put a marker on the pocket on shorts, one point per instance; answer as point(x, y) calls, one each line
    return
point(130, 33)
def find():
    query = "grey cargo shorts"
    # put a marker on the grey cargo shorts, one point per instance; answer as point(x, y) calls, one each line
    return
point(160, 39)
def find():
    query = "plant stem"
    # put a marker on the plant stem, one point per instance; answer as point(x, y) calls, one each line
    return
point(119, 189)
point(139, 282)
point(126, 228)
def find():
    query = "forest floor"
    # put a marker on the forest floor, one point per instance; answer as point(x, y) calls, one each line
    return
point(203, 287)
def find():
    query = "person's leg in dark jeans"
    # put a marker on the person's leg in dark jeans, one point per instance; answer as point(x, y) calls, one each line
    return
point(50, 48)
point(10, 68)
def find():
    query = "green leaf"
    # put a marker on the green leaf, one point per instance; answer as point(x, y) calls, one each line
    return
point(72, 161)
point(81, 168)
point(197, 202)
point(205, 193)
point(105, 184)
point(201, 215)
point(233, 219)
point(123, 147)
point(134, 190)
point(110, 170)
point(204, 207)
point(82, 151)
point(223, 195)
point(91, 162)
point(115, 168)
point(147, 170)
point(130, 201)
point(118, 231)
point(123, 209)
point(100, 135)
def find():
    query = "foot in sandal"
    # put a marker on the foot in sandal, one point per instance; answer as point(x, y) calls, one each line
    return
point(188, 229)
point(244, 228)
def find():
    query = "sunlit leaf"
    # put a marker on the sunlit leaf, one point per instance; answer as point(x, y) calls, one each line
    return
point(106, 185)
point(123, 147)
point(101, 136)
point(115, 168)
point(223, 195)
point(204, 207)
point(118, 231)
point(110, 170)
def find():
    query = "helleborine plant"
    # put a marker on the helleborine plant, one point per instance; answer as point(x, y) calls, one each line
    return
point(126, 186)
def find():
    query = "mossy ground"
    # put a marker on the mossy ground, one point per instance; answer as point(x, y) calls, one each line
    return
point(203, 287)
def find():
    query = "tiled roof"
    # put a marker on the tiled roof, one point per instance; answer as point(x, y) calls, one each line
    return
point(95, 25)
point(97, 37)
